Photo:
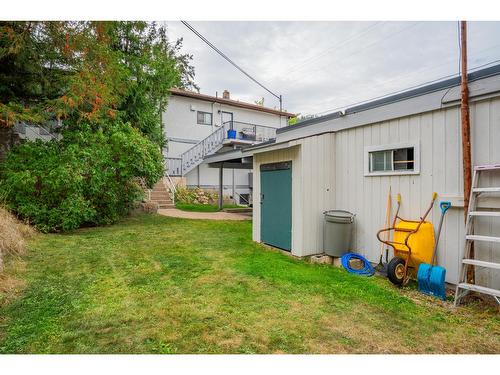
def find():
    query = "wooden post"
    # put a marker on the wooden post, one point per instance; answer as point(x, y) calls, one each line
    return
point(465, 121)
point(221, 184)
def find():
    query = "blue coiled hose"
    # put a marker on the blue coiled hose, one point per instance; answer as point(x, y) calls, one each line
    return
point(367, 270)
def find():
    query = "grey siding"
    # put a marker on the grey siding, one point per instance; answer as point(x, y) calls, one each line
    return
point(438, 133)
point(330, 173)
point(313, 180)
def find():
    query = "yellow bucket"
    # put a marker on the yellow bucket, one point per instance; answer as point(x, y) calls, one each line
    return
point(421, 242)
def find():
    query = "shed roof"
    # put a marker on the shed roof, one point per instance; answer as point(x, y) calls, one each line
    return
point(405, 95)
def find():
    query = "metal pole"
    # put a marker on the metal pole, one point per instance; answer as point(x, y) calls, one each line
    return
point(281, 103)
point(465, 121)
point(234, 190)
point(221, 186)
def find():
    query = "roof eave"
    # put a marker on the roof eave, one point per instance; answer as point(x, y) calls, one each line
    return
point(231, 102)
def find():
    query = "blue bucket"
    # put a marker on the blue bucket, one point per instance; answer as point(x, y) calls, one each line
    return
point(231, 134)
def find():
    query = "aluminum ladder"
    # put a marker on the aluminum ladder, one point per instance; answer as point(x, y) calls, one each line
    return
point(463, 286)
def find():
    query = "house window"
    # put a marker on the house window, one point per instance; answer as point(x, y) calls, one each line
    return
point(392, 160)
point(204, 118)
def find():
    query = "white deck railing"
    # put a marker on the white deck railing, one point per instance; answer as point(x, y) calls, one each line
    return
point(173, 166)
point(243, 133)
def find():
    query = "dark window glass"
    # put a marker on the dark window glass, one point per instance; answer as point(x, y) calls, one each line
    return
point(400, 159)
point(204, 118)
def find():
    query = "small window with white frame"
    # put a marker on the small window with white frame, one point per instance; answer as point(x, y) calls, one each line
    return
point(393, 159)
point(204, 118)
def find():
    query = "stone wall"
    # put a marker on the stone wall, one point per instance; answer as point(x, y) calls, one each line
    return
point(7, 139)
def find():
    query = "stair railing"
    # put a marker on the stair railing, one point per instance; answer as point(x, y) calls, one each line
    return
point(244, 132)
point(207, 146)
point(172, 189)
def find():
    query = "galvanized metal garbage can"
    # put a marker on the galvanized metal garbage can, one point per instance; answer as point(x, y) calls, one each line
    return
point(337, 232)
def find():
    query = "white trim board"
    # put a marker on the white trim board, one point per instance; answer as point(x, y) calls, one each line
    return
point(482, 89)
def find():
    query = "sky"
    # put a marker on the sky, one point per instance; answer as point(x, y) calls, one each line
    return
point(321, 66)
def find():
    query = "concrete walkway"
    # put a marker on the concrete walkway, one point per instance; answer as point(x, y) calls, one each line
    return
point(174, 212)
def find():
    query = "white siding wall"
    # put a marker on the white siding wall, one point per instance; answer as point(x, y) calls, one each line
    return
point(177, 148)
point(485, 123)
point(335, 161)
point(292, 154)
point(180, 121)
point(313, 180)
point(438, 134)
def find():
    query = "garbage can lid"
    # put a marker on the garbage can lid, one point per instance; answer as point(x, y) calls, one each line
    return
point(339, 216)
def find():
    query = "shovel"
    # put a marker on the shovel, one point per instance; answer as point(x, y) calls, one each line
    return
point(382, 267)
point(430, 277)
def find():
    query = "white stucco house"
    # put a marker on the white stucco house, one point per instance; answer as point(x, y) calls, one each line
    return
point(198, 125)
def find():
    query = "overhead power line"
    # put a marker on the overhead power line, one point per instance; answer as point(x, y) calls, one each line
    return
point(360, 50)
point(404, 90)
point(325, 52)
point(199, 35)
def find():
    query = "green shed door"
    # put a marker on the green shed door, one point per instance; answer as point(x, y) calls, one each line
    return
point(276, 204)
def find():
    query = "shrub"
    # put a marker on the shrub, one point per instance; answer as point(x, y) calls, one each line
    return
point(185, 195)
point(87, 178)
point(12, 235)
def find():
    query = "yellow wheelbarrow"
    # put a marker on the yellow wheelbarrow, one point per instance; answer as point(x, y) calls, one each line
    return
point(413, 243)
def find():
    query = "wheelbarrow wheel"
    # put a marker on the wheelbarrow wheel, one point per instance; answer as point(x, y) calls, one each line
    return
point(396, 271)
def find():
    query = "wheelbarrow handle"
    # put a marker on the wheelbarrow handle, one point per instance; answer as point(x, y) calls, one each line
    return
point(444, 206)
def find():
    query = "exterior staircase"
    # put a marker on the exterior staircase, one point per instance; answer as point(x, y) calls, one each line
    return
point(244, 134)
point(161, 196)
point(208, 146)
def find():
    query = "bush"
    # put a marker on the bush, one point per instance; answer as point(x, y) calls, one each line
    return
point(12, 235)
point(184, 195)
point(87, 178)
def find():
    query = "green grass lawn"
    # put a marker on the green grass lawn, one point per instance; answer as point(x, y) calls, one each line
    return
point(203, 207)
point(154, 284)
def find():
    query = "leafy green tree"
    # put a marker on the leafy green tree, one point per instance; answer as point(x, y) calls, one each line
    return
point(54, 70)
point(87, 178)
point(89, 72)
point(108, 82)
point(153, 66)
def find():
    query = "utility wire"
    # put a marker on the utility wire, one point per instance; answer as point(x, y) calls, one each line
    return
point(362, 49)
point(199, 35)
point(344, 42)
point(406, 89)
point(434, 67)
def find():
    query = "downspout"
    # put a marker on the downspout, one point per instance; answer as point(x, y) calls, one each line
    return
point(213, 117)
point(221, 185)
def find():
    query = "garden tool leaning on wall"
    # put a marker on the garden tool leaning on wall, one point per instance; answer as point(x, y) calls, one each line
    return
point(431, 277)
point(382, 267)
point(413, 241)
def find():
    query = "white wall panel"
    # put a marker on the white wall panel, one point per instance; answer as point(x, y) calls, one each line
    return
point(335, 161)
point(313, 183)
point(439, 136)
